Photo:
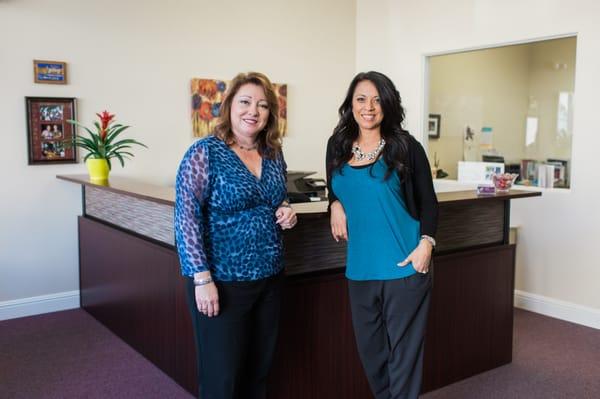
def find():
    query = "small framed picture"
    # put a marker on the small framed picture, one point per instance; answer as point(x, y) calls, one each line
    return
point(433, 126)
point(48, 130)
point(52, 72)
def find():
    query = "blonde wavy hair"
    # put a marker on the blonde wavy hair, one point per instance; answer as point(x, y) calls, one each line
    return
point(269, 139)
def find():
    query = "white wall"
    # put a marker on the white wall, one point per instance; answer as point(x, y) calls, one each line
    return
point(557, 251)
point(136, 58)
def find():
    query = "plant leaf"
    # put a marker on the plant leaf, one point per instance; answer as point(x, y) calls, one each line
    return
point(71, 121)
point(120, 158)
point(114, 132)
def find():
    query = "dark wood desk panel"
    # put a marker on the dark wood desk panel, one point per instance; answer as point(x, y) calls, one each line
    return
point(316, 354)
point(470, 325)
point(184, 348)
point(127, 284)
point(464, 225)
point(134, 288)
point(310, 248)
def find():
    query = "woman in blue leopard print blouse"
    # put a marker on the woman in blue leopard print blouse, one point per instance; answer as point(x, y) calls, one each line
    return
point(230, 210)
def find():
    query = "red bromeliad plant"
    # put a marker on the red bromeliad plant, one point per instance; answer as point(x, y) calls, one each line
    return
point(103, 143)
point(105, 119)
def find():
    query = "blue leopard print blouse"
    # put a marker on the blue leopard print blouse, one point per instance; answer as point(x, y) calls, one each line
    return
point(225, 216)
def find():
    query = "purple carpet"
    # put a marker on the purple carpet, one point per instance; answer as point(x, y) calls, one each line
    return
point(552, 359)
point(70, 355)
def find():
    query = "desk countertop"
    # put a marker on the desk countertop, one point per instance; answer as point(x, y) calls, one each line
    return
point(166, 195)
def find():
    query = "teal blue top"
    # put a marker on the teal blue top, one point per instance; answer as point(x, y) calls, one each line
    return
point(381, 232)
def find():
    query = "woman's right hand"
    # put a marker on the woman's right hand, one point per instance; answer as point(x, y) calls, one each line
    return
point(339, 228)
point(207, 299)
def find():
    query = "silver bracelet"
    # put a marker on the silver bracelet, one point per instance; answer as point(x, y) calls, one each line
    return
point(285, 205)
point(429, 238)
point(203, 281)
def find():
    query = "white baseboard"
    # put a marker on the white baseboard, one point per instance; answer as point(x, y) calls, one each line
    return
point(39, 304)
point(558, 309)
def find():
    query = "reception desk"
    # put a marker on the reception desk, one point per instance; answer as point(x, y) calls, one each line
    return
point(130, 282)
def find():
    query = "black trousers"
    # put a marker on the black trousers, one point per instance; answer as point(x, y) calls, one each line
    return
point(234, 350)
point(389, 319)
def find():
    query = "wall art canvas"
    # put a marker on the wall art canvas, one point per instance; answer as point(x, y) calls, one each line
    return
point(207, 96)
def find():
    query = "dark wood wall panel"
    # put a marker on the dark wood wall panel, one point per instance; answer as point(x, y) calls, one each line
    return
point(464, 225)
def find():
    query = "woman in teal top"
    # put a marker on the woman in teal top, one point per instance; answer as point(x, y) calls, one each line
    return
point(383, 203)
point(378, 219)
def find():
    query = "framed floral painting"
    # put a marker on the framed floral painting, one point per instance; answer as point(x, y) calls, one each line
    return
point(207, 96)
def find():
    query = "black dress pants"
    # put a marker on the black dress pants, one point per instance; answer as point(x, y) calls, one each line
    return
point(389, 319)
point(234, 350)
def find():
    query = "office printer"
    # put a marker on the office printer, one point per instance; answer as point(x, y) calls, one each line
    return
point(301, 188)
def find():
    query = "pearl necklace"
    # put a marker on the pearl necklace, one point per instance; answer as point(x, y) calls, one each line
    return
point(359, 155)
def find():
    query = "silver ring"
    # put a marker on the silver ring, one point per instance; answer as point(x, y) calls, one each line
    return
point(424, 271)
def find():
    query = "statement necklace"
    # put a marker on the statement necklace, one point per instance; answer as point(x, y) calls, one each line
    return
point(359, 155)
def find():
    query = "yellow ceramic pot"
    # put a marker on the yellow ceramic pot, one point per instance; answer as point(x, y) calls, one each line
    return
point(98, 170)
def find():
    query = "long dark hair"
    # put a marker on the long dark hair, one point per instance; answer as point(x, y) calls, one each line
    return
point(346, 132)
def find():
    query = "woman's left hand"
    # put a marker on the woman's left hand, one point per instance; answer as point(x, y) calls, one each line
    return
point(286, 217)
point(420, 257)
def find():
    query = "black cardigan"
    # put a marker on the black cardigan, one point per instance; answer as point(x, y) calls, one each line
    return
point(418, 191)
